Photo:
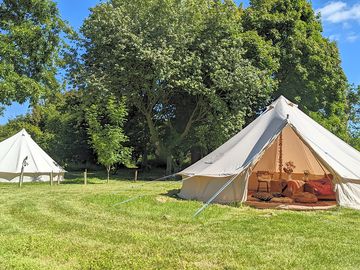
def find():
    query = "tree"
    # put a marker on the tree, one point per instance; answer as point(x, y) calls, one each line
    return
point(62, 119)
point(30, 49)
point(106, 122)
point(309, 70)
point(179, 63)
point(137, 131)
point(354, 112)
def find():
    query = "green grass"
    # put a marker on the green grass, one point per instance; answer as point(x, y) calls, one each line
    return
point(72, 226)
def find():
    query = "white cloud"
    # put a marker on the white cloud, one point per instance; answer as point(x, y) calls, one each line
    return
point(352, 37)
point(339, 12)
point(331, 8)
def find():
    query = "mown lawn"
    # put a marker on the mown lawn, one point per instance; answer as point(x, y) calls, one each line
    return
point(73, 226)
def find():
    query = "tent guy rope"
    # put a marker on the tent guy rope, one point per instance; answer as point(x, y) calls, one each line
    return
point(150, 181)
point(215, 195)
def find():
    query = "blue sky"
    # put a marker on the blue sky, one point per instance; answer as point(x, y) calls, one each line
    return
point(341, 23)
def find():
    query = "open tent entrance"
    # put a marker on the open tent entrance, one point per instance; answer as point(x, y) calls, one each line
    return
point(287, 146)
point(280, 134)
point(309, 174)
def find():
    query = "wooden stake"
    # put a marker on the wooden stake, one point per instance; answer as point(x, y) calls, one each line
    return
point(51, 178)
point(21, 178)
point(136, 175)
point(85, 177)
point(24, 163)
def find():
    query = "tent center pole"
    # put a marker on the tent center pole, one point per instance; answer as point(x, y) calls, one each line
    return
point(280, 154)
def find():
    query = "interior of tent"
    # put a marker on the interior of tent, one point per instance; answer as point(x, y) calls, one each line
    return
point(310, 181)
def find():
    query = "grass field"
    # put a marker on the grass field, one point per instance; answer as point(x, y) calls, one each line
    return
point(73, 226)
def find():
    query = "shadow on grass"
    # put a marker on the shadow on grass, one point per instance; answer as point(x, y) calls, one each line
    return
point(173, 193)
point(78, 182)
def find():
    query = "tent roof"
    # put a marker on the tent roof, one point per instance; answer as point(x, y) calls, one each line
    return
point(16, 148)
point(241, 150)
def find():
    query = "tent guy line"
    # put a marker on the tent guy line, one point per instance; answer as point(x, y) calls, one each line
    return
point(151, 181)
point(215, 195)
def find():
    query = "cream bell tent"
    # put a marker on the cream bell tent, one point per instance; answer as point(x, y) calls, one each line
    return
point(281, 133)
point(20, 153)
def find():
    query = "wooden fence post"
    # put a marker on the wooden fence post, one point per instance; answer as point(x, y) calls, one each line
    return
point(136, 175)
point(51, 178)
point(85, 177)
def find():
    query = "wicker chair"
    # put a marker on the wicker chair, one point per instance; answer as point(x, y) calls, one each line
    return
point(264, 177)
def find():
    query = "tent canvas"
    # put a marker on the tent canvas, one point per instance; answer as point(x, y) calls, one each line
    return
point(224, 174)
point(39, 166)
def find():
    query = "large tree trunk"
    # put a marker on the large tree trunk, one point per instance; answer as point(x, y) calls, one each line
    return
point(166, 150)
point(160, 149)
point(154, 136)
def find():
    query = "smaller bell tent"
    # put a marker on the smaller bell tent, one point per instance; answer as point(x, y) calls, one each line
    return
point(21, 156)
point(281, 133)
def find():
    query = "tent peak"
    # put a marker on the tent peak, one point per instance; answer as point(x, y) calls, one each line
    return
point(282, 100)
point(23, 132)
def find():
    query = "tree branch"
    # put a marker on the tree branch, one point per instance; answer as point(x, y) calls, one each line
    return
point(190, 122)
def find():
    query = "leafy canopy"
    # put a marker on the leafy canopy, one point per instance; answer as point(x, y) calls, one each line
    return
point(181, 64)
point(309, 70)
point(30, 49)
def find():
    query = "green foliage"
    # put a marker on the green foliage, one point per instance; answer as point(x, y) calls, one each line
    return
point(62, 117)
point(179, 64)
point(30, 47)
point(106, 122)
point(309, 70)
point(354, 111)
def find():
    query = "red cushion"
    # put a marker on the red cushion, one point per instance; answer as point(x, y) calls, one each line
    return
point(321, 186)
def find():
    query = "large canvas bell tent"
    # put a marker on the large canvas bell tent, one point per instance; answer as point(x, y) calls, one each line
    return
point(228, 173)
point(20, 153)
